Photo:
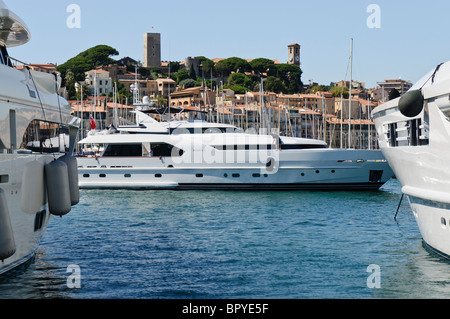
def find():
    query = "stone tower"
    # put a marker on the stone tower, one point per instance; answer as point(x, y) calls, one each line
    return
point(152, 50)
point(294, 54)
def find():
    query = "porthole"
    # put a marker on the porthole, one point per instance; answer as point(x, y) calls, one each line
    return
point(199, 175)
point(102, 175)
point(333, 171)
point(236, 175)
point(127, 175)
point(303, 174)
point(256, 175)
point(225, 175)
point(317, 172)
point(158, 175)
point(86, 175)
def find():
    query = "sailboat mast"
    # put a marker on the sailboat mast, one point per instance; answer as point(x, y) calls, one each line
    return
point(350, 97)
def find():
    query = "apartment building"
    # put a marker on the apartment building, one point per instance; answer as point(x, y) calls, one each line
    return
point(99, 80)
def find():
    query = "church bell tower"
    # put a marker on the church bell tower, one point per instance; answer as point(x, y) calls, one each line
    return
point(294, 54)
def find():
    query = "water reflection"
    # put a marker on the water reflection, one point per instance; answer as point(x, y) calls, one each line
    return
point(36, 279)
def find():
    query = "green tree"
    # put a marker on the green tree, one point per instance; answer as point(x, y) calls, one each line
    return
point(234, 64)
point(192, 74)
point(200, 82)
point(87, 60)
point(174, 67)
point(240, 79)
point(181, 75)
point(238, 89)
point(187, 83)
point(262, 65)
point(207, 66)
point(291, 76)
point(274, 84)
point(337, 91)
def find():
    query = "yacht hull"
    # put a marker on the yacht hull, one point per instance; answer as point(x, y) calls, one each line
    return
point(27, 227)
point(417, 146)
point(427, 192)
point(325, 169)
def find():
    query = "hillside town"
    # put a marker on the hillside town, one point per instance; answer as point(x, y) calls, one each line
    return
point(311, 111)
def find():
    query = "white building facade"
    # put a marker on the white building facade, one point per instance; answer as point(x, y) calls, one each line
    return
point(99, 80)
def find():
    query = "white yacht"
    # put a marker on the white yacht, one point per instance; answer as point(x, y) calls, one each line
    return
point(414, 135)
point(202, 155)
point(32, 119)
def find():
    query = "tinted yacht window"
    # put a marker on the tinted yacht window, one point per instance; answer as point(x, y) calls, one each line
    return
point(123, 150)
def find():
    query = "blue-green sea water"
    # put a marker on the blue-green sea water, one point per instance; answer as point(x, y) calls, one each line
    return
point(233, 245)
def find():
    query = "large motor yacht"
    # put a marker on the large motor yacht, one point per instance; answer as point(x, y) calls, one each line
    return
point(202, 155)
point(36, 131)
point(414, 135)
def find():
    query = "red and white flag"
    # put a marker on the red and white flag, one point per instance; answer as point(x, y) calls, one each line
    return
point(92, 122)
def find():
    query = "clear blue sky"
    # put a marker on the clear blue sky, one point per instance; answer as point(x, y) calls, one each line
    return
point(413, 37)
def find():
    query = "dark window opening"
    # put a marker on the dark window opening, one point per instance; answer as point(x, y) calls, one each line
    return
point(39, 220)
point(166, 150)
point(301, 146)
point(123, 150)
point(375, 176)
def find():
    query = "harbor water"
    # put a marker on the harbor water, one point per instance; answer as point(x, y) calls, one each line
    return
point(121, 244)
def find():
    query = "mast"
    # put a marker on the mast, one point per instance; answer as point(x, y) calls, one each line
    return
point(136, 97)
point(168, 97)
point(350, 96)
point(116, 115)
point(95, 95)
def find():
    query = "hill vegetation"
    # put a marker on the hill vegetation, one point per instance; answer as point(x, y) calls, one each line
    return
point(233, 73)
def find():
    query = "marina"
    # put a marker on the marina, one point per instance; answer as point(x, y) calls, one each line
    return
point(218, 179)
point(289, 245)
